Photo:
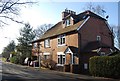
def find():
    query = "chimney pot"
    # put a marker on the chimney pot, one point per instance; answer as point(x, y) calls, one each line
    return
point(67, 12)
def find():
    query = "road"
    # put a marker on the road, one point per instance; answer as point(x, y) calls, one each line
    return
point(13, 72)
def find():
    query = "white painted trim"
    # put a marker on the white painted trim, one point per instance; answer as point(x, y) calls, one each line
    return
point(72, 56)
point(63, 35)
point(46, 53)
point(61, 45)
point(60, 64)
point(108, 25)
point(83, 22)
point(98, 50)
point(70, 51)
point(71, 18)
point(60, 53)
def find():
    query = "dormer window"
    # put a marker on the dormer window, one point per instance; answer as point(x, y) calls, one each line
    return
point(67, 22)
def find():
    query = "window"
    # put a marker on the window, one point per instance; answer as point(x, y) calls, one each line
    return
point(67, 22)
point(46, 57)
point(47, 43)
point(98, 38)
point(85, 66)
point(102, 53)
point(35, 45)
point(61, 59)
point(61, 40)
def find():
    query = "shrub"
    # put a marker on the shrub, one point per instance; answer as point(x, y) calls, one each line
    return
point(48, 63)
point(14, 59)
point(105, 66)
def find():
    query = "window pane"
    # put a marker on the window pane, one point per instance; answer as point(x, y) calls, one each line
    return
point(63, 60)
point(98, 38)
point(63, 41)
point(60, 59)
point(47, 42)
point(58, 41)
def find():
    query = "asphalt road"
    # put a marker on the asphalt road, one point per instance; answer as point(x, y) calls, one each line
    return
point(13, 72)
point(17, 72)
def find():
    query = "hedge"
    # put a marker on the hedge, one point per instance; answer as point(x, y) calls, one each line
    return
point(105, 66)
point(14, 59)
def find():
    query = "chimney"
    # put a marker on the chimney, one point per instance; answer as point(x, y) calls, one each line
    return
point(67, 12)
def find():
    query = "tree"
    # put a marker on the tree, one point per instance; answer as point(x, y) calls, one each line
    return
point(98, 9)
point(42, 29)
point(9, 49)
point(11, 8)
point(118, 36)
point(26, 36)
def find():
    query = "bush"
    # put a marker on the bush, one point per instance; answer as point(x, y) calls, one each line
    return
point(105, 66)
point(48, 63)
point(14, 59)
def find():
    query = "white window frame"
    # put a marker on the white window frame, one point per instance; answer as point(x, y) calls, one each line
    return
point(46, 54)
point(34, 45)
point(98, 38)
point(61, 40)
point(67, 22)
point(47, 43)
point(59, 58)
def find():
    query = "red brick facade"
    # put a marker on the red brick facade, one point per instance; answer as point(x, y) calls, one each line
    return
point(82, 39)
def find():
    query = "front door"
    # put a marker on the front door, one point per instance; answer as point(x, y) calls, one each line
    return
point(68, 58)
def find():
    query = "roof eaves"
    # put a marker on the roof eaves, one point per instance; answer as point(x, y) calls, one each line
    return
point(83, 23)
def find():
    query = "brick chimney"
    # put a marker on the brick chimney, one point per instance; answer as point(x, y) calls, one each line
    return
point(67, 12)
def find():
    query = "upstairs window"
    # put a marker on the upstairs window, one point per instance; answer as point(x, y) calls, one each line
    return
point(67, 22)
point(98, 38)
point(47, 43)
point(35, 45)
point(61, 40)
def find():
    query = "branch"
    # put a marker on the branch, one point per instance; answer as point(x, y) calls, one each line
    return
point(4, 5)
point(12, 19)
point(10, 5)
point(3, 22)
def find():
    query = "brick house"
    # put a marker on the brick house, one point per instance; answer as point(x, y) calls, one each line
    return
point(75, 39)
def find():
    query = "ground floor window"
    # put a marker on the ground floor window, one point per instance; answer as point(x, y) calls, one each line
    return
point(61, 59)
point(85, 66)
point(46, 57)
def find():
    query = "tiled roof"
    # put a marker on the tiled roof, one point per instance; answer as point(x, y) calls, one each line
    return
point(58, 29)
point(78, 20)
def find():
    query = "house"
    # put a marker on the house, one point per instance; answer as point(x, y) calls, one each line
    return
point(75, 39)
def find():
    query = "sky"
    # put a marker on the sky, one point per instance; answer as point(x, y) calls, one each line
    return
point(50, 12)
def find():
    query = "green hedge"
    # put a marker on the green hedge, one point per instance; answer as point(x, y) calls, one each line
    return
point(105, 66)
point(14, 59)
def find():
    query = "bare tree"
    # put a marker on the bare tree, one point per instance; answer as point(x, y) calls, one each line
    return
point(42, 29)
point(118, 36)
point(98, 9)
point(11, 8)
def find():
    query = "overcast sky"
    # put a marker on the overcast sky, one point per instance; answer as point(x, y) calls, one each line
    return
point(49, 12)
